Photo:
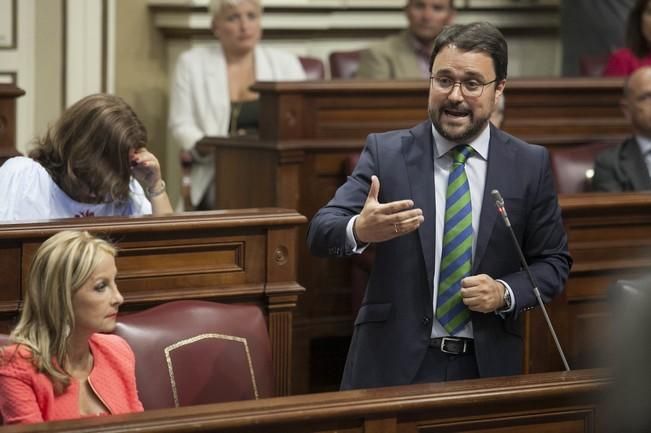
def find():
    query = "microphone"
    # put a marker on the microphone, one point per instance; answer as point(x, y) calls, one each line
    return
point(499, 202)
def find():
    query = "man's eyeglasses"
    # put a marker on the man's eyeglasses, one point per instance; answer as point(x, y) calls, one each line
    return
point(469, 88)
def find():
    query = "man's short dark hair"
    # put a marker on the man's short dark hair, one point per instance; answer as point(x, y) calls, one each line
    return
point(476, 37)
point(450, 2)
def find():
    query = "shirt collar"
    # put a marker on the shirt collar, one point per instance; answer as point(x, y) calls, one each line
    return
point(420, 48)
point(644, 143)
point(479, 144)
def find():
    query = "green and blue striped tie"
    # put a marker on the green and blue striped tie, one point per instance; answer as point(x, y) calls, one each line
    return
point(456, 256)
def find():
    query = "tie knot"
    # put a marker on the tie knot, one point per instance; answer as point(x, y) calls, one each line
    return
point(461, 153)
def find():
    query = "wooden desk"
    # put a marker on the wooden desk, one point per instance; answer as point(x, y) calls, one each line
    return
point(552, 402)
point(309, 129)
point(609, 239)
point(228, 256)
point(8, 95)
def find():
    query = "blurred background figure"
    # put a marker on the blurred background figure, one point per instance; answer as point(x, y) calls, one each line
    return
point(62, 365)
point(407, 54)
point(92, 162)
point(590, 31)
point(627, 166)
point(211, 95)
point(629, 352)
point(637, 51)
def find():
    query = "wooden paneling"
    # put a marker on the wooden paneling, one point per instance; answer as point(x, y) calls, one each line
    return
point(228, 256)
point(609, 239)
point(308, 129)
point(8, 95)
point(356, 19)
point(540, 403)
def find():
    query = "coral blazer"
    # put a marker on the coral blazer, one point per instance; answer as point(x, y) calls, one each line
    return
point(27, 396)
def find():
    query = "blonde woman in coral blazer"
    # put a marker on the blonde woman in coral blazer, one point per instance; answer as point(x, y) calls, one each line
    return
point(209, 78)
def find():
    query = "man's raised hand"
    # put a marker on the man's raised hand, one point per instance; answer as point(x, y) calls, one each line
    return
point(383, 221)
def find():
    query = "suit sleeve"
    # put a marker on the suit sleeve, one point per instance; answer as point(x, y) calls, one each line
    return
point(373, 65)
point(132, 390)
point(124, 368)
point(544, 243)
point(605, 176)
point(182, 123)
point(326, 233)
point(293, 69)
point(18, 403)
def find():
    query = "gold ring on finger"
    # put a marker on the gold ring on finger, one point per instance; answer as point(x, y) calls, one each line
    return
point(395, 227)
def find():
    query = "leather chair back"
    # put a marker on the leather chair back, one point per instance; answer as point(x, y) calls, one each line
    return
point(573, 167)
point(197, 352)
point(313, 67)
point(344, 64)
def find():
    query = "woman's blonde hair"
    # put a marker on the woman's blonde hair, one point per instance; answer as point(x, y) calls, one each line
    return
point(215, 7)
point(62, 264)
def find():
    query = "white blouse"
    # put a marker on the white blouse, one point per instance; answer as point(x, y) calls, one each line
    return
point(27, 192)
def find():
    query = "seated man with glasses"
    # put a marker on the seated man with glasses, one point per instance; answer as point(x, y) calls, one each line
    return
point(446, 292)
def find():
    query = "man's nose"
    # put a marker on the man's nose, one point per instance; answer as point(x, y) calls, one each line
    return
point(455, 93)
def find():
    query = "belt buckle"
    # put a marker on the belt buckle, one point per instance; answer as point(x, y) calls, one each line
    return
point(444, 340)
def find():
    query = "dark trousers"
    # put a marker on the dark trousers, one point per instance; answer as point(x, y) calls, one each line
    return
point(442, 367)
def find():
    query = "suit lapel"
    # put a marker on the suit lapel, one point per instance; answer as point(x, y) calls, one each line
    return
point(633, 165)
point(500, 158)
point(418, 151)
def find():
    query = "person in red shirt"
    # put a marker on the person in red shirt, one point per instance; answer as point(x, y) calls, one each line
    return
point(61, 365)
point(637, 53)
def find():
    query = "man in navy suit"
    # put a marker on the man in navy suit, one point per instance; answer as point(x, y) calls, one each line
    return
point(396, 199)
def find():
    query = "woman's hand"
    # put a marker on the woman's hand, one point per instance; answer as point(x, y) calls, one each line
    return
point(146, 169)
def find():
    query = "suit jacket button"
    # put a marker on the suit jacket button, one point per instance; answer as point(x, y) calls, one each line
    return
point(426, 321)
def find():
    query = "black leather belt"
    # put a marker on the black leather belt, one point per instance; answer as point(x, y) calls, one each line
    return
point(453, 345)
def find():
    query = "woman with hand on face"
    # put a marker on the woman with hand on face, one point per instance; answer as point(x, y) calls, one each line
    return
point(92, 162)
point(211, 95)
point(638, 43)
point(61, 366)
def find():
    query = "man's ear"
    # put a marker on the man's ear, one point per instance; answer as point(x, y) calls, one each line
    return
point(499, 89)
point(626, 109)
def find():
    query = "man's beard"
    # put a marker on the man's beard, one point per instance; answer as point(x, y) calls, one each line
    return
point(467, 134)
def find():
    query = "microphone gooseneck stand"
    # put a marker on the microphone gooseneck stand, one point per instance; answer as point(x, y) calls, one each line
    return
point(499, 202)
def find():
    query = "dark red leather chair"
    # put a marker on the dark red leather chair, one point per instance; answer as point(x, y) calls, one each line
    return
point(196, 352)
point(313, 67)
point(592, 66)
point(573, 167)
point(344, 64)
